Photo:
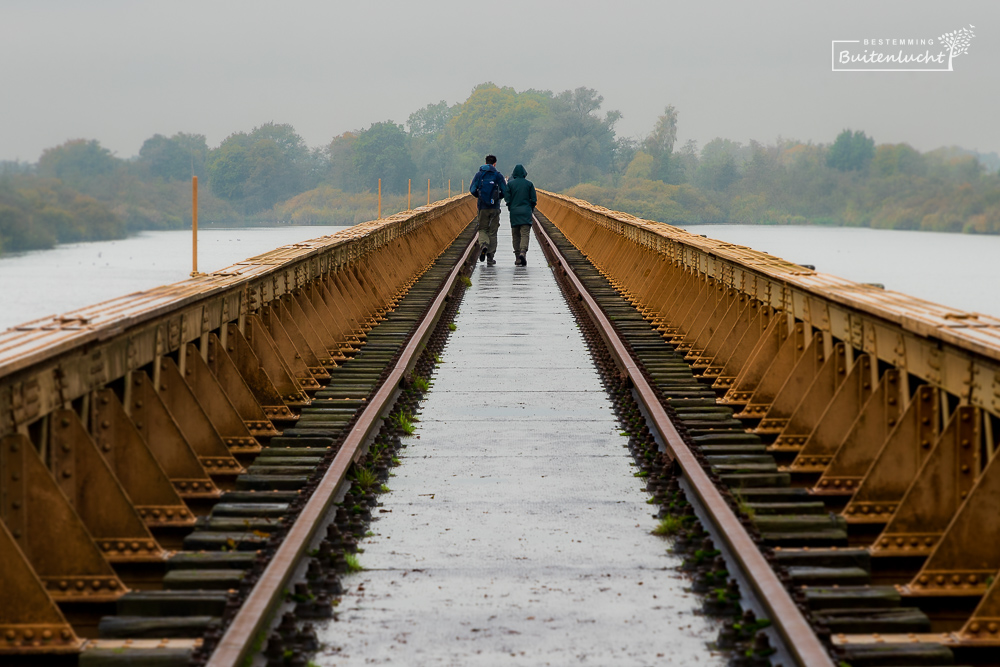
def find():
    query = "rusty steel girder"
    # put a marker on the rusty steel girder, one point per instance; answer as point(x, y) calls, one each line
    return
point(884, 399)
point(121, 419)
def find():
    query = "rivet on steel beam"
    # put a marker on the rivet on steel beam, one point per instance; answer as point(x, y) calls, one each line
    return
point(965, 468)
point(67, 474)
point(965, 442)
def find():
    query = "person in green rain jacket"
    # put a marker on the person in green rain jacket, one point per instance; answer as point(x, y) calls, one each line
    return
point(521, 200)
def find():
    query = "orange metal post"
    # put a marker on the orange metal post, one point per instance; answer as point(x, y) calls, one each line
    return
point(194, 225)
point(428, 192)
point(449, 188)
point(409, 191)
point(380, 199)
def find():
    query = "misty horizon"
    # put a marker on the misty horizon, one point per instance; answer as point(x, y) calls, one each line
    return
point(119, 73)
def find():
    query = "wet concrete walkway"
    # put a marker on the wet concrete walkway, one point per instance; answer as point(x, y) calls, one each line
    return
point(517, 533)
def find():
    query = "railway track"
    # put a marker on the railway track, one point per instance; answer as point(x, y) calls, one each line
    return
point(239, 560)
point(239, 547)
point(815, 578)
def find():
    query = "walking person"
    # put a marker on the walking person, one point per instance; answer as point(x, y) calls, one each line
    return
point(521, 200)
point(489, 187)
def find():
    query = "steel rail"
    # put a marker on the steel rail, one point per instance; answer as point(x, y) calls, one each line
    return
point(266, 594)
point(801, 641)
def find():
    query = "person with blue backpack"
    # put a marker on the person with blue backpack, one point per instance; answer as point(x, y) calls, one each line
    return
point(489, 187)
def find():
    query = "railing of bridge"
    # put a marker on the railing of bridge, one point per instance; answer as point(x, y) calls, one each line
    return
point(118, 419)
point(885, 404)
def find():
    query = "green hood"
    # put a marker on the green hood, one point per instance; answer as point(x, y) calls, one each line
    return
point(519, 172)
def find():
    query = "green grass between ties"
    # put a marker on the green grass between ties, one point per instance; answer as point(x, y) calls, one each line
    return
point(353, 564)
point(668, 526)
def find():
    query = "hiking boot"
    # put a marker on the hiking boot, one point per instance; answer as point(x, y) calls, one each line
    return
point(482, 254)
point(490, 261)
point(524, 260)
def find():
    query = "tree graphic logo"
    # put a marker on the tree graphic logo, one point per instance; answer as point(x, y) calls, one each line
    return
point(958, 42)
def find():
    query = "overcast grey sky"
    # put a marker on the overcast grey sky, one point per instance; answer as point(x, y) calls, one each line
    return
point(120, 71)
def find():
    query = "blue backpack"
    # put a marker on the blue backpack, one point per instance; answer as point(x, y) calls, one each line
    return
point(489, 190)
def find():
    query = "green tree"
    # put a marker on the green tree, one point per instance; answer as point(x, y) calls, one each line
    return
point(381, 151)
point(660, 145)
point(256, 170)
point(431, 120)
point(174, 158)
point(77, 161)
point(717, 168)
point(571, 144)
point(852, 151)
point(497, 120)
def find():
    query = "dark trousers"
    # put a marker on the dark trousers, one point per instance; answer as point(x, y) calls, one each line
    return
point(489, 224)
point(520, 235)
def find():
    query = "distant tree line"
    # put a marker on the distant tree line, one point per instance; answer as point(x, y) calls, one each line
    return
point(80, 191)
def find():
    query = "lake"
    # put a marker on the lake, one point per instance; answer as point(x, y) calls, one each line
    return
point(953, 269)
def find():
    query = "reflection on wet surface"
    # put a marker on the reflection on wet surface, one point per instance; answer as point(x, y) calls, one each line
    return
point(515, 532)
